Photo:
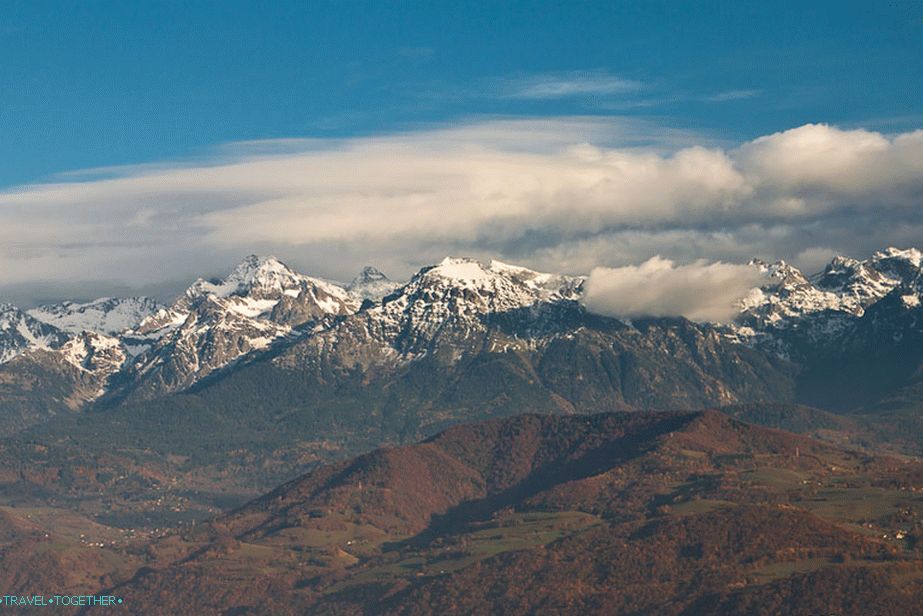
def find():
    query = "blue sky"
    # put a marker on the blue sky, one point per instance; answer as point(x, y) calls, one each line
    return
point(92, 84)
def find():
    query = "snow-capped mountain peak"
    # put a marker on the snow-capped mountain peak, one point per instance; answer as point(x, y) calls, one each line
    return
point(461, 271)
point(93, 352)
point(253, 276)
point(20, 332)
point(782, 273)
point(367, 275)
point(267, 278)
point(215, 323)
point(371, 284)
point(910, 255)
point(822, 306)
point(858, 283)
point(454, 307)
point(508, 283)
point(845, 285)
point(899, 264)
point(259, 287)
point(547, 286)
point(107, 315)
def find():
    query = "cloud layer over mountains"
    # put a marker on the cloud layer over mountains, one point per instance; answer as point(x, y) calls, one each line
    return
point(566, 194)
point(658, 287)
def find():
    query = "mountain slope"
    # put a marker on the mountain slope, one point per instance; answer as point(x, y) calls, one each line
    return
point(797, 314)
point(108, 315)
point(362, 392)
point(447, 306)
point(213, 324)
point(39, 386)
point(20, 332)
point(656, 513)
point(854, 329)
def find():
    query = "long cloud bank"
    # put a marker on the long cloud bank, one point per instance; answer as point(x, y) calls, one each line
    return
point(565, 194)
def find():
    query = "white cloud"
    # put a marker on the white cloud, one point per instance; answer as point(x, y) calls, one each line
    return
point(559, 194)
point(568, 85)
point(827, 167)
point(732, 95)
point(700, 291)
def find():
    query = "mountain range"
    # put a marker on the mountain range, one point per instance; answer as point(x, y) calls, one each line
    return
point(471, 440)
point(135, 348)
point(242, 381)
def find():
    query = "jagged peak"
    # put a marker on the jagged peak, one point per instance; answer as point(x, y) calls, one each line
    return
point(370, 272)
point(254, 272)
point(466, 272)
point(463, 269)
point(846, 286)
point(784, 273)
point(107, 315)
point(842, 262)
point(371, 284)
point(14, 316)
point(368, 275)
point(6, 308)
point(19, 332)
point(470, 269)
point(255, 269)
point(254, 262)
point(846, 272)
point(507, 284)
point(779, 264)
point(912, 255)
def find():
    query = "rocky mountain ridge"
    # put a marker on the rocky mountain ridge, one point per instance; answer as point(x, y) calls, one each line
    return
point(447, 310)
point(215, 323)
point(108, 315)
point(20, 332)
point(457, 308)
point(823, 305)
